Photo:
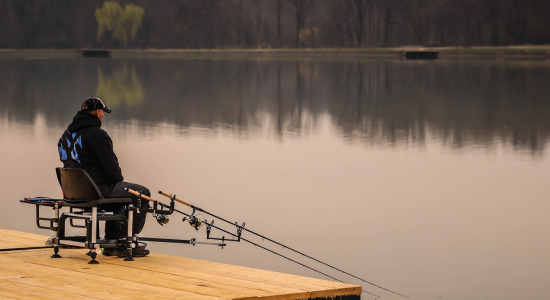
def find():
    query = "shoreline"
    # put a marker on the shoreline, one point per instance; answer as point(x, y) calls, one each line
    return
point(508, 52)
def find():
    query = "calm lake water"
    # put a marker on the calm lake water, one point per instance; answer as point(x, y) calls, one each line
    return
point(428, 178)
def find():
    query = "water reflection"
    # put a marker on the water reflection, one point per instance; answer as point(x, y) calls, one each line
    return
point(391, 103)
point(121, 85)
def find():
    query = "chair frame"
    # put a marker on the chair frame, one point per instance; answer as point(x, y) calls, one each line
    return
point(83, 197)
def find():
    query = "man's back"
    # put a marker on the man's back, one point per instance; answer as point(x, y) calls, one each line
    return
point(85, 145)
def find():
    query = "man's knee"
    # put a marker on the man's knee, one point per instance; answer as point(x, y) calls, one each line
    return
point(141, 189)
point(146, 192)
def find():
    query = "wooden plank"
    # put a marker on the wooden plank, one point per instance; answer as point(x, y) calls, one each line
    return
point(141, 275)
point(26, 274)
point(209, 276)
point(254, 275)
point(164, 275)
point(229, 278)
point(10, 289)
point(79, 283)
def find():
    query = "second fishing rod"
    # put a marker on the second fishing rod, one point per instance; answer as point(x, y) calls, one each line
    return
point(196, 223)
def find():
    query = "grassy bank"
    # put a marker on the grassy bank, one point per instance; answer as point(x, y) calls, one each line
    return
point(444, 52)
point(534, 52)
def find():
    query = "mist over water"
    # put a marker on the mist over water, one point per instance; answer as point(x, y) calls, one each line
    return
point(428, 178)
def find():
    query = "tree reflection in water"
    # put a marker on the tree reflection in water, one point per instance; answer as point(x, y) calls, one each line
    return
point(391, 102)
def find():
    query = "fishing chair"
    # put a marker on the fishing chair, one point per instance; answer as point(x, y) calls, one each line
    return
point(84, 199)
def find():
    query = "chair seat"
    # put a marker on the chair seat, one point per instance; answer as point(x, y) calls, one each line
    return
point(103, 216)
point(88, 204)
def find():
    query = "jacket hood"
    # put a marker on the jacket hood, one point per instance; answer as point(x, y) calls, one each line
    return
point(83, 120)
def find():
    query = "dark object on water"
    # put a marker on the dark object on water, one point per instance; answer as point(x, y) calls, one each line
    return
point(95, 53)
point(420, 55)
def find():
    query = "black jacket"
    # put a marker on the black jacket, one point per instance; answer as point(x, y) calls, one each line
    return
point(85, 145)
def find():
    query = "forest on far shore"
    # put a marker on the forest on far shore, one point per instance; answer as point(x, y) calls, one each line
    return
point(251, 24)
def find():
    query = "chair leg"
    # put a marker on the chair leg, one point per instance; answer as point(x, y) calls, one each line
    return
point(56, 252)
point(93, 237)
point(129, 255)
point(93, 255)
point(60, 233)
point(94, 225)
point(130, 233)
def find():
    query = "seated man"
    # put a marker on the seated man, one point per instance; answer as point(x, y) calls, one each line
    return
point(85, 145)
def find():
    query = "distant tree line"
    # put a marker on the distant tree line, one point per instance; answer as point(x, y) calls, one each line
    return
point(206, 24)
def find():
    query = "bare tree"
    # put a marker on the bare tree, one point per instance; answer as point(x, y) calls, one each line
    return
point(279, 8)
point(360, 8)
point(350, 16)
point(302, 9)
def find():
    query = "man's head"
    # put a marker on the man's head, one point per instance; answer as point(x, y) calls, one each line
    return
point(96, 107)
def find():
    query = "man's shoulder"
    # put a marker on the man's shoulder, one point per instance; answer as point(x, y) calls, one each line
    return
point(93, 132)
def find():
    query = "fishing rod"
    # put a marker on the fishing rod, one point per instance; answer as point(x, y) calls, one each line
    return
point(34, 248)
point(25, 248)
point(197, 223)
point(240, 228)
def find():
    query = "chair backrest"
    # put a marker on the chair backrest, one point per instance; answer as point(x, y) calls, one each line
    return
point(77, 184)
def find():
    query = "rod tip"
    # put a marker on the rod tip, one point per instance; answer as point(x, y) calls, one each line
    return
point(160, 192)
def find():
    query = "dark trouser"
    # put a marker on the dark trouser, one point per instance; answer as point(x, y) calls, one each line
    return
point(113, 229)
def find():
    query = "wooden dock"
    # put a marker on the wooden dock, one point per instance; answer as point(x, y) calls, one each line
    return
point(32, 274)
point(420, 54)
point(95, 53)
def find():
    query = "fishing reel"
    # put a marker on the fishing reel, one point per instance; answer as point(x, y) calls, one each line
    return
point(193, 220)
point(162, 219)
